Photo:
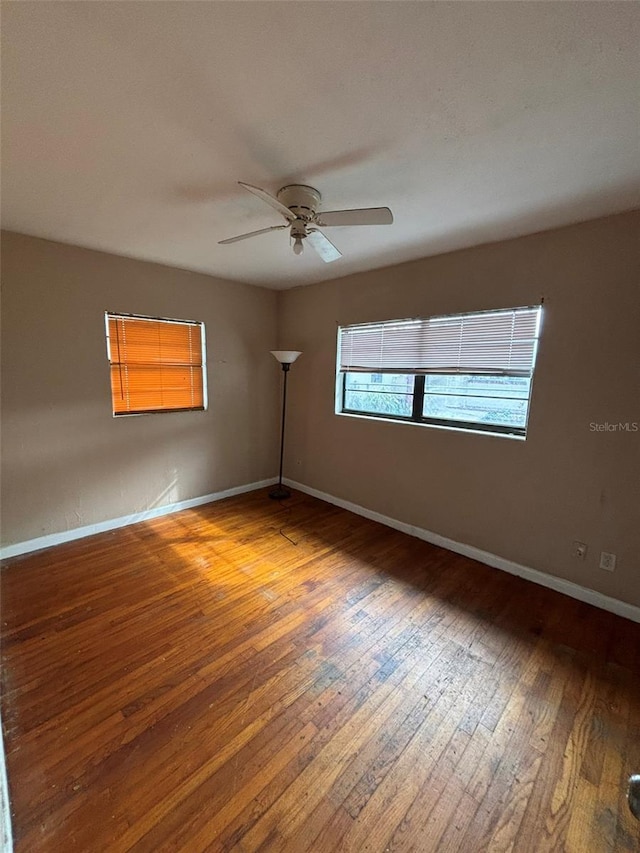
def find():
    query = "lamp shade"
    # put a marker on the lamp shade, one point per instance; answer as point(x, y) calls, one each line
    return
point(285, 356)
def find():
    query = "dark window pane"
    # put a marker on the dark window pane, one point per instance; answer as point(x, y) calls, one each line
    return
point(380, 394)
point(395, 383)
point(492, 400)
point(500, 401)
point(478, 410)
point(517, 387)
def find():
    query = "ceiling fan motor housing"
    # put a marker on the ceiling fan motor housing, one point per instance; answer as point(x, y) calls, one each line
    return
point(302, 201)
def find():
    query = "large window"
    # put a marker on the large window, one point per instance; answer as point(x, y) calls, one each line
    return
point(157, 365)
point(470, 371)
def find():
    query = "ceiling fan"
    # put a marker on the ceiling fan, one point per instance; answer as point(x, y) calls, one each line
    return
point(299, 206)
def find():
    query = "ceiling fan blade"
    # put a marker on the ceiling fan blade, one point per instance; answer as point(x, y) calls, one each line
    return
point(365, 216)
point(275, 204)
point(323, 247)
point(251, 234)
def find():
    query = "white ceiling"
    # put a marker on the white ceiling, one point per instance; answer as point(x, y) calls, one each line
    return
point(126, 125)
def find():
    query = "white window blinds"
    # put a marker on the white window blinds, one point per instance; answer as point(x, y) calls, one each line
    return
point(496, 343)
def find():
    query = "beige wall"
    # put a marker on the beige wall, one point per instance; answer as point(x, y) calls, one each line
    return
point(525, 501)
point(66, 462)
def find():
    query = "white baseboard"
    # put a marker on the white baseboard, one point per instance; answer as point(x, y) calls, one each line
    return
point(581, 593)
point(6, 840)
point(124, 520)
point(574, 590)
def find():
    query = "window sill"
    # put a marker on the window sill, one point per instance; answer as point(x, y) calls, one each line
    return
point(464, 430)
point(118, 415)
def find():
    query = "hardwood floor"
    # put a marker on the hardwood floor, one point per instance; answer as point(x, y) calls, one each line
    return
point(203, 683)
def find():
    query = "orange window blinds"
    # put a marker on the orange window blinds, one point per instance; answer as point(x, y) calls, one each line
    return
point(156, 365)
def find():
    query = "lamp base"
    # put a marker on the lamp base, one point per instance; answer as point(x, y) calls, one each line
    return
point(279, 493)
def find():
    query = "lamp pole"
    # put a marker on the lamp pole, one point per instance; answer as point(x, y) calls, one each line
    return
point(286, 359)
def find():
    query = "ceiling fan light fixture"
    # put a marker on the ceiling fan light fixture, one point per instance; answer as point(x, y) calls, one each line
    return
point(298, 204)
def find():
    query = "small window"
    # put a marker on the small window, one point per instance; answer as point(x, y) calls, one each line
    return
point(470, 371)
point(157, 365)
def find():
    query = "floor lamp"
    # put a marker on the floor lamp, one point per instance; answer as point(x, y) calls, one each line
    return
point(286, 359)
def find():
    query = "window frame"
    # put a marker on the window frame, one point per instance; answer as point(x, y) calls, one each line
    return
point(419, 394)
point(116, 315)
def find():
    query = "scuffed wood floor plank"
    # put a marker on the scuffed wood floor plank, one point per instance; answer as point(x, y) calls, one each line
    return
point(201, 683)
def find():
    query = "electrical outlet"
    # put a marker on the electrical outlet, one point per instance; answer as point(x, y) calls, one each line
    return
point(607, 561)
point(578, 550)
